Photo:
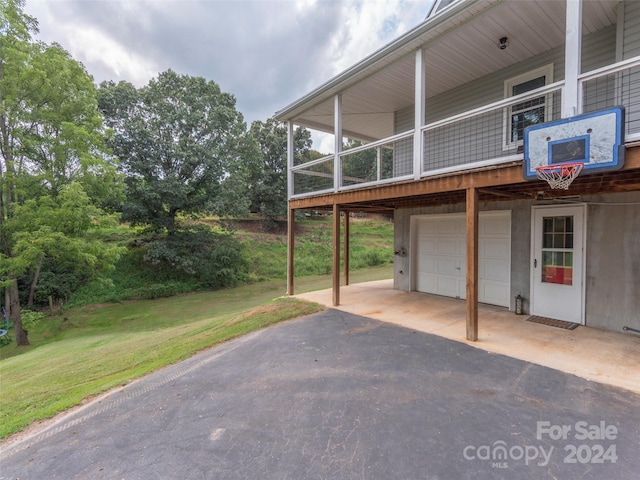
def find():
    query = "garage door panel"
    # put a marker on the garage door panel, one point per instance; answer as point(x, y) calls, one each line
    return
point(448, 265)
point(495, 248)
point(428, 264)
point(441, 256)
point(449, 226)
point(448, 286)
point(428, 245)
point(462, 288)
point(493, 293)
point(426, 282)
point(495, 225)
point(498, 270)
point(449, 246)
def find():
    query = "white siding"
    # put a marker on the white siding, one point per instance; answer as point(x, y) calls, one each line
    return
point(404, 120)
point(631, 29)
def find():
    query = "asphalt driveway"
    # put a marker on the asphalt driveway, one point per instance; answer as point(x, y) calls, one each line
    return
point(338, 396)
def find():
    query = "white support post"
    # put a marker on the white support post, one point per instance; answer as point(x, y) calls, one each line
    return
point(379, 162)
point(290, 159)
point(419, 113)
point(620, 32)
point(571, 105)
point(337, 128)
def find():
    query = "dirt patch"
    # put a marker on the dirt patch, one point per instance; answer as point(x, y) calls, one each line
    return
point(257, 311)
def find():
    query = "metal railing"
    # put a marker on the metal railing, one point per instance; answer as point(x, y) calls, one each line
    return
point(487, 135)
point(314, 177)
point(390, 159)
point(611, 86)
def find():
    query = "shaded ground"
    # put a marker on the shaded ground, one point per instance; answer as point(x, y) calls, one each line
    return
point(342, 397)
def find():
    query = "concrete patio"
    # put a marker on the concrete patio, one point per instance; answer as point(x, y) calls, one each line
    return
point(601, 356)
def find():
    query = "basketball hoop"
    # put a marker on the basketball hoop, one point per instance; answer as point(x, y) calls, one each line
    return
point(560, 175)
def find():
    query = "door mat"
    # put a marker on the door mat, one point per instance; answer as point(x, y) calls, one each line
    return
point(552, 323)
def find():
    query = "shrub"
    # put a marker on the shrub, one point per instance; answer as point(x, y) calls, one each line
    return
point(214, 260)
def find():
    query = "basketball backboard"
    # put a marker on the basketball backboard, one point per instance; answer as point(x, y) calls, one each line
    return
point(595, 139)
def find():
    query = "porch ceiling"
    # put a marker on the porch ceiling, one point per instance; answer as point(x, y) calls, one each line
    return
point(457, 51)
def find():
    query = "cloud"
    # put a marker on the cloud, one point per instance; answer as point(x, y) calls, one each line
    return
point(265, 52)
point(369, 25)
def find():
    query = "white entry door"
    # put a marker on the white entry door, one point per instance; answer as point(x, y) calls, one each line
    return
point(439, 250)
point(557, 284)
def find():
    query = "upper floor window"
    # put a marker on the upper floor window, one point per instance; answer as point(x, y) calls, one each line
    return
point(529, 112)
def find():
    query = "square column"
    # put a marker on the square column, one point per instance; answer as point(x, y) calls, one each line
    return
point(571, 105)
point(336, 255)
point(419, 113)
point(472, 264)
point(337, 129)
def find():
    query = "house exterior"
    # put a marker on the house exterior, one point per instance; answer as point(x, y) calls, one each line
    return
point(444, 112)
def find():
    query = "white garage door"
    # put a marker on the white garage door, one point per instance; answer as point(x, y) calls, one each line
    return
point(440, 256)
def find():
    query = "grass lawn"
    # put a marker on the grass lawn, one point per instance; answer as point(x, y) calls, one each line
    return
point(94, 348)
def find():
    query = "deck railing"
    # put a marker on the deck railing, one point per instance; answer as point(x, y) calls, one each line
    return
point(388, 160)
point(615, 85)
point(313, 177)
point(487, 135)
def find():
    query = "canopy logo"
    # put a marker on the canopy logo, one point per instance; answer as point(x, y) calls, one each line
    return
point(499, 453)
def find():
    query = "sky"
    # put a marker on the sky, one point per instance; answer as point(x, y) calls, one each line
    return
point(267, 53)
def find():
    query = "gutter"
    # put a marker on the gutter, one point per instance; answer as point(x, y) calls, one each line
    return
point(370, 61)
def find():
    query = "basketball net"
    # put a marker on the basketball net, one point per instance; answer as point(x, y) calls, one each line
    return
point(559, 176)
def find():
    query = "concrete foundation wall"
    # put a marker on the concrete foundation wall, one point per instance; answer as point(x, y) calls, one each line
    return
point(613, 261)
point(612, 254)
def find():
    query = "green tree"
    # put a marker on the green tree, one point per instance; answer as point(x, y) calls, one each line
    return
point(51, 143)
point(268, 187)
point(183, 147)
point(57, 228)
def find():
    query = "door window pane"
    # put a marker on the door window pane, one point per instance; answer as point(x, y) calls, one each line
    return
point(568, 259)
point(558, 240)
point(568, 240)
point(557, 254)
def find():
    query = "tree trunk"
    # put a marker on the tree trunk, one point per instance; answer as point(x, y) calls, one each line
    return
point(21, 335)
point(2, 214)
point(34, 283)
point(171, 224)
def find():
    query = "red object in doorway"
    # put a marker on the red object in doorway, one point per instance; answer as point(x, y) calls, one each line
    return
point(558, 275)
